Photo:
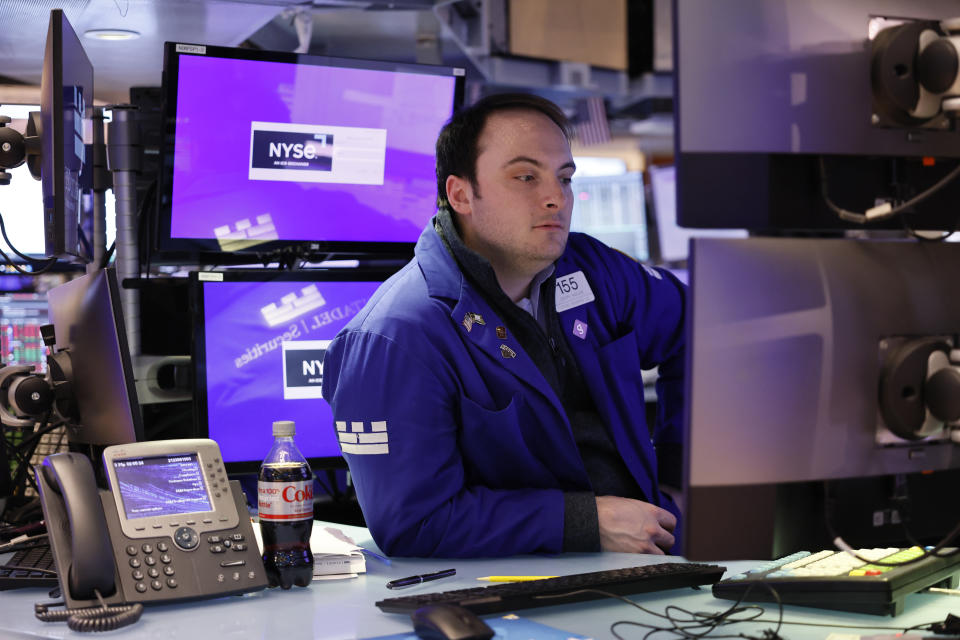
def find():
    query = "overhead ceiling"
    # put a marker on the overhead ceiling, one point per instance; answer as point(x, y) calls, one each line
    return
point(403, 30)
point(347, 27)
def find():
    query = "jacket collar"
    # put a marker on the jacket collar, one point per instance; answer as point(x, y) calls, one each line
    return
point(445, 279)
point(440, 271)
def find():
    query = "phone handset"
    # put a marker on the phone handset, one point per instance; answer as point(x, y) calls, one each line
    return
point(91, 554)
point(74, 516)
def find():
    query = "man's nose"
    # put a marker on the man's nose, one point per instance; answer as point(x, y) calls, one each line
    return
point(555, 196)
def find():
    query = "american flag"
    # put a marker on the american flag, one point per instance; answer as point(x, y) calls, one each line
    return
point(590, 124)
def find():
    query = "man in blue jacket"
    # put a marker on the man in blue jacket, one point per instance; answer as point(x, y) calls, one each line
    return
point(489, 399)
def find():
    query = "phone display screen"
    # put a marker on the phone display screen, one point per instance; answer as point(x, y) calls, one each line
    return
point(162, 485)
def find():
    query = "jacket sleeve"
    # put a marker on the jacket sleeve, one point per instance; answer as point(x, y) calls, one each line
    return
point(660, 317)
point(397, 413)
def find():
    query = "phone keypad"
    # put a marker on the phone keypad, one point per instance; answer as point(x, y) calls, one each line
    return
point(152, 564)
point(154, 578)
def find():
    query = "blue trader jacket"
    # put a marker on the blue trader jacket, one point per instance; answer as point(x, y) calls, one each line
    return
point(457, 444)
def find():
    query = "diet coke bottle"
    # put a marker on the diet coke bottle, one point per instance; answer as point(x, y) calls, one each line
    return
point(285, 497)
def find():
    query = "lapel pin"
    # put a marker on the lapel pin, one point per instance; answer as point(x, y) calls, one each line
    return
point(502, 333)
point(471, 318)
point(507, 352)
point(580, 329)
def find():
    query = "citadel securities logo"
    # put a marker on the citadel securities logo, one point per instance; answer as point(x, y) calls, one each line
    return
point(282, 151)
point(297, 330)
point(293, 306)
point(303, 368)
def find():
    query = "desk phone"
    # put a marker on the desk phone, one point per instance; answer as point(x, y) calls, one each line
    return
point(170, 527)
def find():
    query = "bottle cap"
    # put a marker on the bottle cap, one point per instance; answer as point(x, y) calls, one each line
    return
point(284, 428)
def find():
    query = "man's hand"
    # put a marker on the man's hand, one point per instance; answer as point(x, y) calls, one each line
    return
point(633, 526)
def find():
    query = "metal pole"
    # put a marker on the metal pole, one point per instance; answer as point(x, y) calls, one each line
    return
point(101, 182)
point(124, 159)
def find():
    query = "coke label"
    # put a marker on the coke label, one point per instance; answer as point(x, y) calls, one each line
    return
point(285, 501)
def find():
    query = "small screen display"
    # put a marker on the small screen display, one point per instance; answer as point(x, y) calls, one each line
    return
point(162, 485)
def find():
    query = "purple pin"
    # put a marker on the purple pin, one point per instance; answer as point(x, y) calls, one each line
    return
point(580, 329)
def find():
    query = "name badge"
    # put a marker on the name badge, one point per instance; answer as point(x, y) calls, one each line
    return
point(573, 290)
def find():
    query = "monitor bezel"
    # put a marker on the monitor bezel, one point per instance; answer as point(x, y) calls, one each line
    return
point(62, 239)
point(165, 245)
point(787, 417)
point(71, 305)
point(764, 173)
point(198, 348)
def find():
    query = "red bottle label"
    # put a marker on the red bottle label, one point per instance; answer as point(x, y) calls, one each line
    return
point(285, 501)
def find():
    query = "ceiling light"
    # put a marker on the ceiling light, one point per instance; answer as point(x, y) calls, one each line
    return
point(111, 34)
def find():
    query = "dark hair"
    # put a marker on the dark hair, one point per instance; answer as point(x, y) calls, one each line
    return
point(457, 143)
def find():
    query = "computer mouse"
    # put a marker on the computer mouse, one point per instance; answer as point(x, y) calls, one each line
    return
point(449, 622)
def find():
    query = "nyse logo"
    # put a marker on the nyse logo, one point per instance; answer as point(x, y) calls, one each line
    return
point(313, 369)
point(303, 368)
point(302, 151)
point(309, 150)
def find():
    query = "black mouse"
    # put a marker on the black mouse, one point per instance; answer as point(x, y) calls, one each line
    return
point(449, 622)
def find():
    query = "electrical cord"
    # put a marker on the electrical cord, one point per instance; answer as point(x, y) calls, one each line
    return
point(10, 531)
point(24, 542)
point(691, 625)
point(23, 451)
point(46, 267)
point(885, 210)
point(102, 618)
point(841, 544)
point(17, 567)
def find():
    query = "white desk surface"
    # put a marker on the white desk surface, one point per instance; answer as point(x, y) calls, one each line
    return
point(345, 609)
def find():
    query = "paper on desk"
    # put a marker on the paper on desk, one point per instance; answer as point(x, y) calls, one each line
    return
point(333, 556)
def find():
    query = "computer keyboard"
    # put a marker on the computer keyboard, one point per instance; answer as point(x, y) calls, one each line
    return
point(837, 580)
point(511, 596)
point(35, 557)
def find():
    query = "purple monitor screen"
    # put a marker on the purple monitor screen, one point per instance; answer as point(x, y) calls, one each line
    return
point(304, 151)
point(162, 486)
point(260, 360)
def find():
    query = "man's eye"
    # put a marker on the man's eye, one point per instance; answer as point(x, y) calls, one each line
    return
point(525, 178)
point(566, 180)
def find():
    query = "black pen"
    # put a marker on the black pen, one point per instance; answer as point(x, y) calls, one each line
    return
point(399, 583)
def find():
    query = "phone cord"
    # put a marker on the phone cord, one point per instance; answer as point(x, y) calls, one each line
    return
point(102, 618)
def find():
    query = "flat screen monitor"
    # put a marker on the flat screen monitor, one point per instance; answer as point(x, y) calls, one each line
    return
point(21, 201)
point(88, 322)
point(796, 378)
point(21, 316)
point(266, 149)
point(765, 88)
point(66, 107)
point(260, 337)
point(611, 209)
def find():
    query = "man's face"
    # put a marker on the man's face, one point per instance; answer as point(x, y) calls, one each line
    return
point(518, 217)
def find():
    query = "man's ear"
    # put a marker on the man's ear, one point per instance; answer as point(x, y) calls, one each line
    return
point(459, 194)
